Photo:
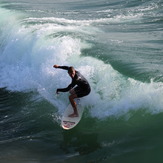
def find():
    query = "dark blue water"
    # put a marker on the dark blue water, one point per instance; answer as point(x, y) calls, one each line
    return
point(116, 45)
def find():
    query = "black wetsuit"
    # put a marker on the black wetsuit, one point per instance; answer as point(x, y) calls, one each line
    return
point(83, 87)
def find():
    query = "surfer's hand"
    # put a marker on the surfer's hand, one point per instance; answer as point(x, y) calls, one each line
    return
point(57, 91)
point(55, 66)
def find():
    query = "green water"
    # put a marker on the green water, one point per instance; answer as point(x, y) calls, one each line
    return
point(116, 45)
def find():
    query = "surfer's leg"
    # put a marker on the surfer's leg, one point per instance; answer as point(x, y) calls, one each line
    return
point(71, 98)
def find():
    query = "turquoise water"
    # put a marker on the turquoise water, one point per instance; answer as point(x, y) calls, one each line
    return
point(116, 45)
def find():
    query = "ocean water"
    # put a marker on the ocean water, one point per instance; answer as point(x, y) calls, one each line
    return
point(117, 45)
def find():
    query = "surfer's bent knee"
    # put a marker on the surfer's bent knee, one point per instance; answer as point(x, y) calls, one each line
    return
point(72, 96)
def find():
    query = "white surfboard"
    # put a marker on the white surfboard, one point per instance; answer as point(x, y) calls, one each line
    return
point(70, 122)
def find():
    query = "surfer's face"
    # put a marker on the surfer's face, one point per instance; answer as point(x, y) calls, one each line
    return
point(72, 74)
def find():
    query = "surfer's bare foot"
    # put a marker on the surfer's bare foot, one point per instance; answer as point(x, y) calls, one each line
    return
point(73, 115)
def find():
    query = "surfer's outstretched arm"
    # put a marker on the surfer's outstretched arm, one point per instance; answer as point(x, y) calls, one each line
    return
point(61, 67)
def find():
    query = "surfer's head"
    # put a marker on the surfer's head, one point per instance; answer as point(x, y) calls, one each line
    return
point(71, 71)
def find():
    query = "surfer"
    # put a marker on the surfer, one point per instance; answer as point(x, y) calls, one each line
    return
point(82, 89)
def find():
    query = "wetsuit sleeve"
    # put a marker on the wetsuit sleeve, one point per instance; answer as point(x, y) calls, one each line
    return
point(63, 67)
point(66, 89)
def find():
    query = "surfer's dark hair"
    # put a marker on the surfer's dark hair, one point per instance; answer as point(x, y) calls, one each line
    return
point(71, 69)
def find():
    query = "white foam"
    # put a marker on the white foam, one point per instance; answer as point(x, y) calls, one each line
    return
point(119, 17)
point(127, 94)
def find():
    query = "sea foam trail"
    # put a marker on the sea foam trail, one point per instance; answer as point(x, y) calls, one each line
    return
point(29, 52)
